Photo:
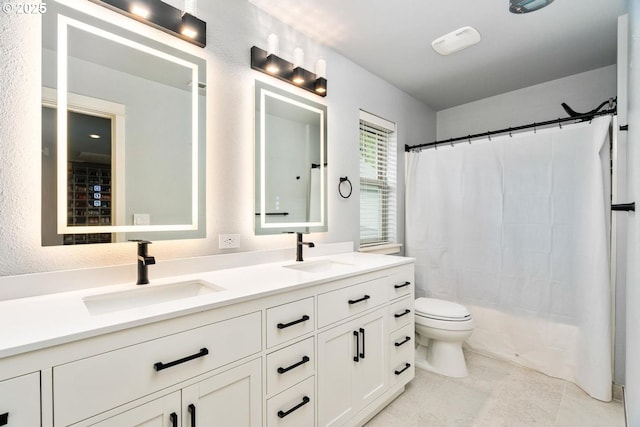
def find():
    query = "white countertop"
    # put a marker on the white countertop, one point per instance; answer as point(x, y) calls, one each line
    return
point(42, 321)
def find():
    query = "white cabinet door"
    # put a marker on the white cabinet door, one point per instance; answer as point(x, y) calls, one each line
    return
point(20, 401)
point(351, 362)
point(336, 352)
point(370, 373)
point(231, 398)
point(162, 412)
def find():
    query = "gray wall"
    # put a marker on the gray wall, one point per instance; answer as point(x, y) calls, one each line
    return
point(538, 103)
point(233, 27)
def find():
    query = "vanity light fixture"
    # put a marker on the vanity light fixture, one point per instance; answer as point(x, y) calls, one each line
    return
point(162, 16)
point(140, 10)
point(272, 66)
point(268, 62)
point(321, 76)
point(298, 60)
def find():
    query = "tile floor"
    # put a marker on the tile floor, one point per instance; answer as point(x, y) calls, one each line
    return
point(496, 394)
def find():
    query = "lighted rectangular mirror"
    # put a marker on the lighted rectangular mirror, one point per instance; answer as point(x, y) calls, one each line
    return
point(290, 162)
point(128, 155)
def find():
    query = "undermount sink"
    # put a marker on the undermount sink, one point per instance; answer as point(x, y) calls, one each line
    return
point(319, 266)
point(147, 295)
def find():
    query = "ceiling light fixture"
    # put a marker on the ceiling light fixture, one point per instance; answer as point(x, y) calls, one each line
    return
point(526, 6)
point(456, 40)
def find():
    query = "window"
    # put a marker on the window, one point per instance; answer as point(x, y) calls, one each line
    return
point(377, 180)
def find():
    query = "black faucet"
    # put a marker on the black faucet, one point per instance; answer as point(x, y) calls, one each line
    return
point(299, 245)
point(144, 260)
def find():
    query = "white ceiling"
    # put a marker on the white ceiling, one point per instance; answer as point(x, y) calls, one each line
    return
point(392, 39)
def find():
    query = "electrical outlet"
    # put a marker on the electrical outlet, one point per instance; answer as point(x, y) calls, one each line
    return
point(228, 241)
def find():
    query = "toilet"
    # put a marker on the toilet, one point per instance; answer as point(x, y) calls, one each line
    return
point(441, 328)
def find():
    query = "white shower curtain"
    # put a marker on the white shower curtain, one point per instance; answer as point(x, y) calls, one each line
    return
point(516, 228)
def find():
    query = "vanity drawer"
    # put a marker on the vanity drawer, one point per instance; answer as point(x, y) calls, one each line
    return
point(401, 283)
point(293, 407)
point(89, 386)
point(289, 321)
point(401, 313)
point(402, 353)
point(290, 365)
point(342, 303)
point(20, 401)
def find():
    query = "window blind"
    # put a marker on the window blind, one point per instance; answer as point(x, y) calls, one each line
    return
point(377, 180)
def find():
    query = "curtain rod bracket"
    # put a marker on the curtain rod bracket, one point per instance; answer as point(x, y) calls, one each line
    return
point(624, 207)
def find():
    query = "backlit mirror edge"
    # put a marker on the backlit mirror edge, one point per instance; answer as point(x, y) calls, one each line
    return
point(263, 87)
point(62, 102)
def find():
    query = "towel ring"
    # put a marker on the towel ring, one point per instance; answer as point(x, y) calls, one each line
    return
point(345, 179)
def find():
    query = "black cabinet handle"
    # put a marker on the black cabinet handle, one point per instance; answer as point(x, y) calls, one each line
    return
point(402, 285)
point(406, 366)
point(355, 301)
point(192, 412)
point(305, 400)
point(404, 313)
point(4, 419)
point(173, 417)
point(356, 358)
point(159, 366)
point(304, 360)
point(295, 322)
point(404, 341)
point(362, 354)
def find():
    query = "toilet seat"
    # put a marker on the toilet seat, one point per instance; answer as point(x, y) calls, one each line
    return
point(437, 309)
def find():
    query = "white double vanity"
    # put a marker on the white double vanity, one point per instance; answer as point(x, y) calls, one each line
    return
point(324, 342)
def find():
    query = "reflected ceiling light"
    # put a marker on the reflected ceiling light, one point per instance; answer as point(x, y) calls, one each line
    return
point(456, 40)
point(526, 6)
point(94, 136)
point(162, 16)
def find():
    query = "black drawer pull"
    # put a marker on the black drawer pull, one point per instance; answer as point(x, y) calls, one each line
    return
point(402, 285)
point(404, 341)
point(304, 360)
point(406, 366)
point(355, 301)
point(295, 322)
point(404, 313)
point(305, 400)
point(192, 413)
point(159, 366)
point(356, 358)
point(4, 419)
point(362, 354)
point(173, 417)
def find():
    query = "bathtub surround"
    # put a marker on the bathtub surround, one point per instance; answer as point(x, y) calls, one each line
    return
point(520, 233)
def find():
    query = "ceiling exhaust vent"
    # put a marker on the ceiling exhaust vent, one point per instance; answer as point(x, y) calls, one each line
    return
point(456, 40)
